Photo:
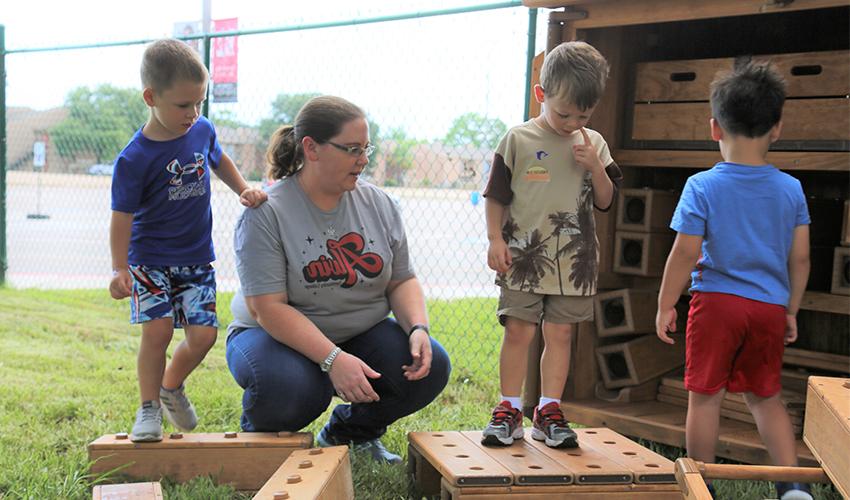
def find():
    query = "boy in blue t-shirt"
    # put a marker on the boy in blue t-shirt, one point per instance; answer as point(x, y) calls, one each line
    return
point(161, 231)
point(744, 240)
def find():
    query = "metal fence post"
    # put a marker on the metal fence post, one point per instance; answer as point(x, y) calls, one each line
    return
point(3, 263)
point(529, 58)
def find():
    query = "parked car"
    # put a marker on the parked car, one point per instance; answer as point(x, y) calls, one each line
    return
point(100, 169)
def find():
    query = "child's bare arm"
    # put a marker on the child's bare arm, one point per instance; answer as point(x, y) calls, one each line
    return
point(798, 271)
point(686, 250)
point(498, 254)
point(119, 244)
point(588, 159)
point(248, 196)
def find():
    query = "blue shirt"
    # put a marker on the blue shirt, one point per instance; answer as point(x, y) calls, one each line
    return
point(166, 186)
point(746, 216)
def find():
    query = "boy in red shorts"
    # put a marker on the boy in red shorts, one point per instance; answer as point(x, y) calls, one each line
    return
point(743, 237)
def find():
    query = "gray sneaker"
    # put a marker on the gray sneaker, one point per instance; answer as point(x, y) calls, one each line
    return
point(148, 426)
point(505, 426)
point(374, 447)
point(178, 409)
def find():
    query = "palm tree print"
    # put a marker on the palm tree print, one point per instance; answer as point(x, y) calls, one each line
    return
point(561, 221)
point(583, 245)
point(530, 262)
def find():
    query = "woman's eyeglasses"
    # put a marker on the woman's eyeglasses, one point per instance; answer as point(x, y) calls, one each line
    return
point(354, 150)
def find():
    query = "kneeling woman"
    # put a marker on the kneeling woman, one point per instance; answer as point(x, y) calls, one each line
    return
point(321, 265)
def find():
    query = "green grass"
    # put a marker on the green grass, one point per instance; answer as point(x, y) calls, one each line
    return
point(68, 361)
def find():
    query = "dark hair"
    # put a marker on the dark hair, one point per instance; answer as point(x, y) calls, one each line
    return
point(321, 118)
point(169, 60)
point(748, 100)
point(575, 71)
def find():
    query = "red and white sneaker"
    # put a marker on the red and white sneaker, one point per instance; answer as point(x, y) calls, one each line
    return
point(505, 426)
point(551, 427)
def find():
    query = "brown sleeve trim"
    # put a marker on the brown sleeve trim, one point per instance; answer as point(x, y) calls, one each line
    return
point(616, 176)
point(499, 184)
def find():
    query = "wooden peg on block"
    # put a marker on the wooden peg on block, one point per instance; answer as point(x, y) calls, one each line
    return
point(129, 491)
point(244, 460)
point(625, 312)
point(317, 474)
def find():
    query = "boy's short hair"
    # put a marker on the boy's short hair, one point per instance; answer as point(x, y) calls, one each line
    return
point(748, 100)
point(170, 60)
point(575, 71)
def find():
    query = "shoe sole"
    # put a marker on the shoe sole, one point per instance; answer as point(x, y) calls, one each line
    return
point(539, 435)
point(146, 438)
point(493, 440)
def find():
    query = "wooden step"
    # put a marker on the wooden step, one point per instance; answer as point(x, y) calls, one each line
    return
point(604, 463)
point(129, 491)
point(827, 430)
point(317, 473)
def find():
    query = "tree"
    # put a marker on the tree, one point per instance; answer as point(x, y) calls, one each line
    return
point(476, 130)
point(397, 148)
point(100, 122)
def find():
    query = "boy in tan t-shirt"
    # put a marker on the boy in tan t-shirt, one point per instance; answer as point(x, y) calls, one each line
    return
point(548, 173)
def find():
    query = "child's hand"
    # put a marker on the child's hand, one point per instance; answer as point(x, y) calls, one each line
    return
point(499, 256)
point(121, 284)
point(585, 154)
point(665, 321)
point(790, 328)
point(253, 197)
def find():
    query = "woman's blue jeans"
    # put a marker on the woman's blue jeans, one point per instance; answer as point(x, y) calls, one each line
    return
point(285, 391)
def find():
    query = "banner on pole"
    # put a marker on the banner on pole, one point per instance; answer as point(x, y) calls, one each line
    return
point(224, 61)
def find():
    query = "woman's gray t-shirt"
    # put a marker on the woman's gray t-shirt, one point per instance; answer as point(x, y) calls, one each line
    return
point(334, 266)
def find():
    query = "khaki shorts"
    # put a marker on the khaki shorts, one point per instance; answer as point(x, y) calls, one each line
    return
point(532, 307)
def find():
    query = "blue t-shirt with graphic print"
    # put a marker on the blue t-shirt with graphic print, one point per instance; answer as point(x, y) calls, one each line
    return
point(746, 216)
point(166, 186)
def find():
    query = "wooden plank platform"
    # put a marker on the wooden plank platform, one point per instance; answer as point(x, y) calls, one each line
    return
point(317, 474)
point(245, 460)
point(665, 423)
point(827, 429)
point(606, 464)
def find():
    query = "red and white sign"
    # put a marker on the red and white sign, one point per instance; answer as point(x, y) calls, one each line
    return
point(224, 61)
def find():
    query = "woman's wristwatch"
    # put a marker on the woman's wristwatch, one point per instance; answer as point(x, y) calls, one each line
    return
point(418, 326)
point(326, 364)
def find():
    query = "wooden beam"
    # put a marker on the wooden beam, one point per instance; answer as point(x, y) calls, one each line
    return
point(784, 160)
point(825, 302)
point(813, 359)
point(602, 13)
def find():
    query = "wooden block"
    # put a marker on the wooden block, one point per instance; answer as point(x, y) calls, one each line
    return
point(643, 254)
point(841, 271)
point(645, 210)
point(690, 480)
point(318, 474)
point(459, 460)
point(566, 492)
point(643, 392)
point(246, 460)
point(625, 312)
point(817, 119)
point(129, 491)
point(639, 360)
point(809, 74)
point(827, 427)
point(845, 225)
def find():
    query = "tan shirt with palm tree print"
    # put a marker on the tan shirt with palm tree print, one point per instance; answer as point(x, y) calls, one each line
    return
point(549, 225)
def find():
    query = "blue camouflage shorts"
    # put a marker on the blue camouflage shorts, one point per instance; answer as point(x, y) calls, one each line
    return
point(185, 293)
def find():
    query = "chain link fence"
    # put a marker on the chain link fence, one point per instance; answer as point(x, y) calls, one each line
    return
point(440, 88)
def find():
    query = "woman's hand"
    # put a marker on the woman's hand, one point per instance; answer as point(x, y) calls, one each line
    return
point(420, 349)
point(350, 378)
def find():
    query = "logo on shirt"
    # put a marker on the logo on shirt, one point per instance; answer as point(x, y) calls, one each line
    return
point(346, 259)
point(536, 173)
point(541, 154)
point(180, 170)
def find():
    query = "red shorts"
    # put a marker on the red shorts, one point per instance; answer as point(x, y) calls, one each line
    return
point(734, 343)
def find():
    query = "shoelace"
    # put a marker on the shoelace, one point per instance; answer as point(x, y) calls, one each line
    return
point(553, 416)
point(151, 413)
point(500, 414)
